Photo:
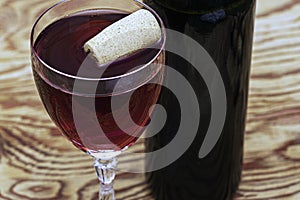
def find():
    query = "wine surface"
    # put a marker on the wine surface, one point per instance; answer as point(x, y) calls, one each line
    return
point(60, 45)
point(226, 34)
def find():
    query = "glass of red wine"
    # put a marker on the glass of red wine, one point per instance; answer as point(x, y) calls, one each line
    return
point(102, 110)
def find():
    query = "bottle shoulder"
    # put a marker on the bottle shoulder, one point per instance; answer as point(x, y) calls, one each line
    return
point(205, 6)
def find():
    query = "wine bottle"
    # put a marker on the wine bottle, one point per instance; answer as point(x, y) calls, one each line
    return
point(225, 29)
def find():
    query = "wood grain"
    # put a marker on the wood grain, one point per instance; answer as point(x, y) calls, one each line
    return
point(36, 162)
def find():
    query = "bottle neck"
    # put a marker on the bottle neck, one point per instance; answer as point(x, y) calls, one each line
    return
point(200, 6)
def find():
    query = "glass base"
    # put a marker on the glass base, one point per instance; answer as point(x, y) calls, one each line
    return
point(106, 194)
point(106, 172)
point(105, 164)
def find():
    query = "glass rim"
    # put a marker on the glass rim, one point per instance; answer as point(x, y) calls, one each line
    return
point(163, 38)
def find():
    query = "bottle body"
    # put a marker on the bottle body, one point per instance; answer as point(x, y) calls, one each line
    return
point(226, 33)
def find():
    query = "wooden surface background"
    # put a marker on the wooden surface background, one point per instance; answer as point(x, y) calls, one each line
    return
point(36, 162)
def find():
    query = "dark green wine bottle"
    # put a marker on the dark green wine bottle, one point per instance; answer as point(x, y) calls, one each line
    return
point(225, 29)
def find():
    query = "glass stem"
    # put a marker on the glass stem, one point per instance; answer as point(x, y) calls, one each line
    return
point(106, 172)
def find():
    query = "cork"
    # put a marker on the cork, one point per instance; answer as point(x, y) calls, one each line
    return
point(131, 33)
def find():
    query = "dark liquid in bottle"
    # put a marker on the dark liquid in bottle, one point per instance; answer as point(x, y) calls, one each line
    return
point(60, 45)
point(225, 30)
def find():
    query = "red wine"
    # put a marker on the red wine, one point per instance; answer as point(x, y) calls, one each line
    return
point(225, 29)
point(60, 45)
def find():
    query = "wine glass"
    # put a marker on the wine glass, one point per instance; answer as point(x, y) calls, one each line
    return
point(101, 110)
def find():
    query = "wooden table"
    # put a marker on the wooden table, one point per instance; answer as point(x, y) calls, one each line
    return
point(36, 162)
